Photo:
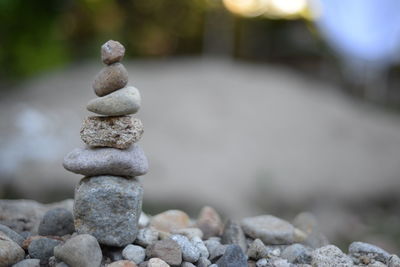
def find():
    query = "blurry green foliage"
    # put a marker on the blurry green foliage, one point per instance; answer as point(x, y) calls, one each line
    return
point(41, 34)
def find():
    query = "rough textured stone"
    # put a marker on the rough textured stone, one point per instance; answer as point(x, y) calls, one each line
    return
point(209, 222)
point(12, 234)
point(263, 263)
point(80, 251)
point(117, 132)
point(28, 263)
point(170, 220)
point(257, 250)
point(167, 250)
point(112, 51)
point(297, 253)
point(199, 244)
point(134, 253)
point(146, 237)
point(124, 101)
point(203, 262)
point(233, 257)
point(357, 249)
point(215, 248)
point(108, 207)
point(233, 234)
point(156, 262)
point(190, 252)
point(122, 263)
point(10, 252)
point(109, 79)
point(330, 256)
point(57, 222)
point(394, 261)
point(270, 229)
point(42, 248)
point(88, 161)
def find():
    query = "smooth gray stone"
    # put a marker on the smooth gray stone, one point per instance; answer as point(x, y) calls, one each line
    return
point(110, 78)
point(10, 252)
point(146, 237)
point(12, 234)
point(330, 256)
point(375, 252)
point(134, 253)
point(215, 248)
point(80, 251)
point(233, 234)
point(124, 101)
point(107, 161)
point(28, 263)
point(42, 248)
point(57, 222)
point(297, 253)
point(233, 257)
point(108, 207)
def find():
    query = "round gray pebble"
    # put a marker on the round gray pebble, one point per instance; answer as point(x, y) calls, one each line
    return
point(57, 222)
point(42, 248)
point(134, 253)
point(190, 252)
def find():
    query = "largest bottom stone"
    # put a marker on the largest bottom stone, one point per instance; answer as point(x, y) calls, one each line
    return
point(108, 207)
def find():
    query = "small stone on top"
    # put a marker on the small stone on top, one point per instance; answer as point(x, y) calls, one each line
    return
point(112, 51)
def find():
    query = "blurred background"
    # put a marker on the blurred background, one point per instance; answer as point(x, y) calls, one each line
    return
point(250, 106)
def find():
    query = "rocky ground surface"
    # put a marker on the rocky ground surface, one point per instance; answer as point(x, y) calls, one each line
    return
point(33, 234)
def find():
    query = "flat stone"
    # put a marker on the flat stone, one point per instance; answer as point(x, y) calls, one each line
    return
point(233, 257)
point(118, 132)
point(209, 222)
point(10, 251)
point(57, 222)
point(42, 248)
point(108, 207)
point(12, 234)
point(146, 237)
point(110, 79)
point(297, 253)
point(190, 253)
point(89, 161)
point(122, 263)
point(233, 234)
point(134, 253)
point(170, 220)
point(357, 249)
point(330, 256)
point(80, 251)
point(124, 101)
point(156, 262)
point(28, 263)
point(270, 229)
point(112, 51)
point(168, 250)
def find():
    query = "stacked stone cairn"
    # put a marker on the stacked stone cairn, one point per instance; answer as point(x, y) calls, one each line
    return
point(108, 200)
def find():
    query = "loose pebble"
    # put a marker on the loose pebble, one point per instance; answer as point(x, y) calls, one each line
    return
point(80, 251)
point(297, 253)
point(122, 263)
point(168, 250)
point(28, 263)
point(330, 256)
point(190, 252)
point(134, 253)
point(199, 244)
point(112, 51)
point(257, 250)
point(118, 132)
point(233, 257)
point(189, 232)
point(233, 234)
point(144, 219)
point(187, 264)
point(110, 79)
point(357, 249)
point(108, 207)
point(57, 222)
point(156, 262)
point(215, 248)
point(270, 229)
point(42, 248)
point(170, 220)
point(281, 263)
point(146, 237)
point(209, 222)
point(17, 238)
point(10, 251)
point(88, 161)
point(263, 263)
point(394, 261)
point(203, 262)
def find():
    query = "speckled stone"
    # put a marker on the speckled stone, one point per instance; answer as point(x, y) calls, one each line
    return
point(57, 222)
point(108, 207)
point(233, 257)
point(110, 79)
point(42, 248)
point(168, 250)
point(112, 51)
point(124, 101)
point(107, 161)
point(330, 256)
point(117, 132)
point(10, 252)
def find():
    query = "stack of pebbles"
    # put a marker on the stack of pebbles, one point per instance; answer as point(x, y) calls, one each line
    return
point(108, 200)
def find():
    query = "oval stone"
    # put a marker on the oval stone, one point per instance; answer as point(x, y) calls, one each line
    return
point(121, 102)
point(107, 161)
point(110, 78)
